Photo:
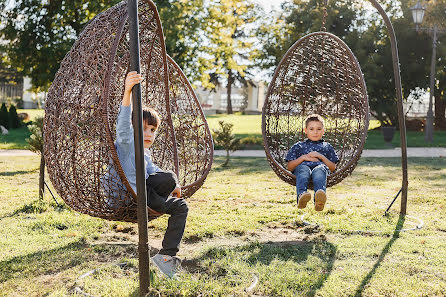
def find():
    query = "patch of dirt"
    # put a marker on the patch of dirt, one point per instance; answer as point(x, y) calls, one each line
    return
point(287, 235)
point(48, 280)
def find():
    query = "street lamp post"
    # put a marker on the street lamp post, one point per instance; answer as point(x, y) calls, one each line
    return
point(418, 14)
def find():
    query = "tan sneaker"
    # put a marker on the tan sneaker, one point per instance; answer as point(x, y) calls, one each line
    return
point(319, 200)
point(303, 200)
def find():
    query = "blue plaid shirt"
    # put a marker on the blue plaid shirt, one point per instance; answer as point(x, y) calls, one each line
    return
point(304, 147)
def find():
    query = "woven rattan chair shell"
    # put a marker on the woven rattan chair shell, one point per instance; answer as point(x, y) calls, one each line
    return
point(82, 107)
point(318, 74)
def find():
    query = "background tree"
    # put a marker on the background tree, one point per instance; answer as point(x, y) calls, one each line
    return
point(301, 17)
point(182, 23)
point(8, 74)
point(365, 33)
point(228, 49)
point(436, 15)
point(224, 138)
point(35, 142)
point(40, 33)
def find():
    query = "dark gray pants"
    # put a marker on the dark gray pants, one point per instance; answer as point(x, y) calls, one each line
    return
point(159, 186)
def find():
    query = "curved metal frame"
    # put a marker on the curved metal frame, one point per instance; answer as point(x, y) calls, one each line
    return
point(399, 95)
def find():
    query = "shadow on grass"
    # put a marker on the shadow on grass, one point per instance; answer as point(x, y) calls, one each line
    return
point(298, 252)
point(37, 206)
point(13, 173)
point(273, 263)
point(418, 162)
point(368, 277)
point(51, 262)
point(242, 164)
point(436, 177)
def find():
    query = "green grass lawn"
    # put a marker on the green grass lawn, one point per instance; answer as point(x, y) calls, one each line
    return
point(242, 222)
point(16, 138)
point(247, 127)
point(33, 113)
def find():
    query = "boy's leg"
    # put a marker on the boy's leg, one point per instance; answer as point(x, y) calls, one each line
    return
point(302, 173)
point(159, 187)
point(177, 209)
point(162, 182)
point(165, 260)
point(319, 176)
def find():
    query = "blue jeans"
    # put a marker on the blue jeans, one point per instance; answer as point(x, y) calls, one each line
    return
point(318, 175)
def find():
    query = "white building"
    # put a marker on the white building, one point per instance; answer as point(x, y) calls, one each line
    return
point(248, 99)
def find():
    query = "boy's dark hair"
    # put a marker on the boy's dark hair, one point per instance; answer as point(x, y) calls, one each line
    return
point(314, 118)
point(151, 117)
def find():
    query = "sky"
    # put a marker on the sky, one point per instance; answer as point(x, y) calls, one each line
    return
point(268, 4)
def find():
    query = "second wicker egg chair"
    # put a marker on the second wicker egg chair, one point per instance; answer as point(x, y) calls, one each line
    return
point(318, 74)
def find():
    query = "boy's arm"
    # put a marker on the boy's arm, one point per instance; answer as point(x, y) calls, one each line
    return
point(294, 160)
point(124, 130)
point(291, 165)
point(124, 135)
point(331, 165)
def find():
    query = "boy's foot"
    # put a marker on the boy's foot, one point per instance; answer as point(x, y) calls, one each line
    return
point(319, 200)
point(303, 199)
point(167, 264)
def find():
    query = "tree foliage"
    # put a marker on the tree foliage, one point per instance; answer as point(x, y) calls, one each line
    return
point(368, 38)
point(40, 33)
point(182, 22)
point(301, 17)
point(228, 49)
point(436, 16)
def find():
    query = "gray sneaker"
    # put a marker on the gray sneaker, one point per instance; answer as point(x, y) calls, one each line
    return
point(167, 264)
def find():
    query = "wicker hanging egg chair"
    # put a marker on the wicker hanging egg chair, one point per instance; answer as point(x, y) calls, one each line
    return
point(318, 74)
point(82, 107)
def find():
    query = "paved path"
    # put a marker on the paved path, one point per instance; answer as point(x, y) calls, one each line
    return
point(396, 152)
point(16, 153)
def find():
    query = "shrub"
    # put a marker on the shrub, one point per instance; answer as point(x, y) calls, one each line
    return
point(35, 142)
point(14, 121)
point(4, 116)
point(223, 137)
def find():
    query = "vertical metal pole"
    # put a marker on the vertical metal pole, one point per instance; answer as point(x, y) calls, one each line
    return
point(429, 128)
point(399, 96)
point(143, 245)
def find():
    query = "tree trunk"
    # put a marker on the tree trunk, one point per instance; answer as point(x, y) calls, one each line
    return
point(440, 108)
point(228, 93)
point(42, 176)
point(227, 159)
